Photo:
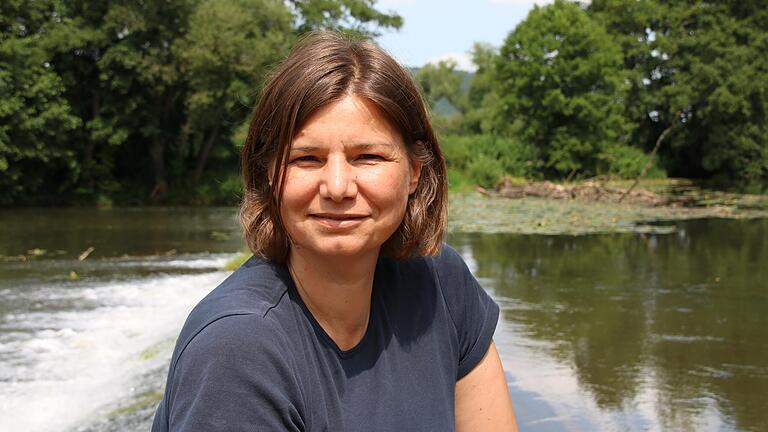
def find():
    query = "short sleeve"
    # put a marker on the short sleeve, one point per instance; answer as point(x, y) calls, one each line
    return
point(232, 376)
point(472, 310)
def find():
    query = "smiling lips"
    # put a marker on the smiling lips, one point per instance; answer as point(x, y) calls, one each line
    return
point(337, 220)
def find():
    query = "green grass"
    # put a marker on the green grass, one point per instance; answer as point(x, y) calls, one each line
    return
point(237, 260)
point(156, 349)
point(138, 403)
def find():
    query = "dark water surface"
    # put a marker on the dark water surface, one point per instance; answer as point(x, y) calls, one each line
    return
point(633, 331)
point(607, 332)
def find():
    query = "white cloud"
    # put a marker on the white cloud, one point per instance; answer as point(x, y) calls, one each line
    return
point(463, 60)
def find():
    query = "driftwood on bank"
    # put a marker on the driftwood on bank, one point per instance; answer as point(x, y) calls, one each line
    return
point(650, 159)
point(588, 191)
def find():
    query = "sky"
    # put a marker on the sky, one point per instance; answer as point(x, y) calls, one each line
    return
point(434, 30)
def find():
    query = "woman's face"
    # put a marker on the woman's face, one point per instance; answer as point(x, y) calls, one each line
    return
point(347, 181)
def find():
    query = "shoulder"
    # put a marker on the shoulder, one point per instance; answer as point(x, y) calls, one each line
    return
point(240, 343)
point(238, 308)
point(235, 372)
point(232, 363)
point(444, 274)
point(254, 287)
point(243, 317)
point(453, 276)
point(473, 311)
point(449, 262)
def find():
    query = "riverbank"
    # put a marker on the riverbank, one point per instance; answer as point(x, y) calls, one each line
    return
point(593, 208)
point(653, 192)
point(564, 213)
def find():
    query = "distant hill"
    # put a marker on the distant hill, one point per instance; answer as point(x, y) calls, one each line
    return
point(444, 107)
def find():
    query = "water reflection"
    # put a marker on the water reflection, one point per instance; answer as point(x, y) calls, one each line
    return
point(659, 331)
point(62, 233)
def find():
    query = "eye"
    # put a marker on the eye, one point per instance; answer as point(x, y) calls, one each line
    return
point(305, 159)
point(370, 157)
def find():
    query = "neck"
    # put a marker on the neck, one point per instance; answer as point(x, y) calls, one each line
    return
point(337, 291)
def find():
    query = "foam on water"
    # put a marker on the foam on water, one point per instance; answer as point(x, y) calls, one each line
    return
point(59, 368)
point(214, 261)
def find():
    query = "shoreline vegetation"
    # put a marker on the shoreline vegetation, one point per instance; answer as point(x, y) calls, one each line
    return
point(665, 192)
point(592, 207)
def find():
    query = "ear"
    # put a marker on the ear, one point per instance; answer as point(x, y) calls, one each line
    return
point(415, 175)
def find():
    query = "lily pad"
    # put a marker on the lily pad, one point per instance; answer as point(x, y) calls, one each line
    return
point(473, 212)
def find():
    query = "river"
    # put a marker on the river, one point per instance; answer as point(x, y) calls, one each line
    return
point(656, 330)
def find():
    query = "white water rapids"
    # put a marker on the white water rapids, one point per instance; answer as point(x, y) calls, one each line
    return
point(73, 349)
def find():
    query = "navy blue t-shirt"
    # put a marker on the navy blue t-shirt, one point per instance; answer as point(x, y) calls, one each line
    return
point(252, 357)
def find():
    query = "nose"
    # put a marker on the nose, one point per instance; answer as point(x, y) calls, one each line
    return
point(339, 181)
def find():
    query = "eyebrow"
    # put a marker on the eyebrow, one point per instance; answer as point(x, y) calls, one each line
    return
point(358, 146)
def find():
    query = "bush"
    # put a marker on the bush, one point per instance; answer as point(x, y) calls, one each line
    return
point(624, 161)
point(215, 187)
point(484, 159)
point(459, 181)
point(517, 159)
point(457, 151)
point(485, 171)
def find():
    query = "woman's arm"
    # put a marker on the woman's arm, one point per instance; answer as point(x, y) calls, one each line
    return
point(482, 397)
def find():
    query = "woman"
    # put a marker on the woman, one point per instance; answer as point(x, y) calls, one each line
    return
point(352, 315)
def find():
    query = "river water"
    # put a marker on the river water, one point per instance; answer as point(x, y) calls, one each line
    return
point(614, 332)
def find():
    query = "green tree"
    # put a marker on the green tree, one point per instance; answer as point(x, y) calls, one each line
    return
point(698, 69)
point(228, 47)
point(35, 118)
point(118, 98)
point(561, 83)
point(483, 97)
point(443, 87)
point(143, 72)
point(439, 81)
point(77, 44)
point(355, 16)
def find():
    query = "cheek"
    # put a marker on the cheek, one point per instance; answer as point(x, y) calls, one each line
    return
point(397, 176)
point(389, 188)
point(298, 192)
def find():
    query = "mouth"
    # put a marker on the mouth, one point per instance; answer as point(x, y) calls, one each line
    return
point(338, 216)
point(338, 220)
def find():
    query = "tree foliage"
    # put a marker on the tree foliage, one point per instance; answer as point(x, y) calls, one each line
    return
point(596, 87)
point(355, 16)
point(483, 95)
point(562, 86)
point(138, 100)
point(35, 118)
point(439, 81)
point(700, 66)
point(227, 50)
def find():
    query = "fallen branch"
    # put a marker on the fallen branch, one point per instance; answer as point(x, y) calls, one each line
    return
point(85, 254)
point(586, 191)
point(650, 159)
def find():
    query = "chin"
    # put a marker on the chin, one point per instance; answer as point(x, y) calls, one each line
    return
point(347, 250)
point(341, 248)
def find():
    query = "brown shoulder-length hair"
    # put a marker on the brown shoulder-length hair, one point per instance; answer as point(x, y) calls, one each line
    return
point(322, 68)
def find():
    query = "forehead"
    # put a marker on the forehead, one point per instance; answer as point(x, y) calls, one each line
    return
point(348, 121)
